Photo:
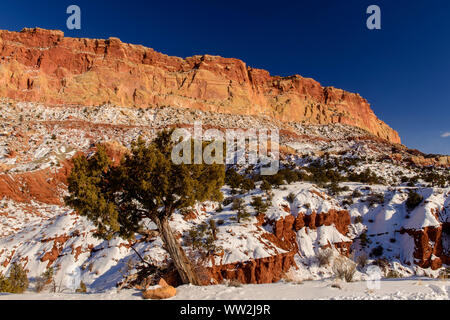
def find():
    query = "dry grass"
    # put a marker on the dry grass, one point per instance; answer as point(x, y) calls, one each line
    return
point(344, 268)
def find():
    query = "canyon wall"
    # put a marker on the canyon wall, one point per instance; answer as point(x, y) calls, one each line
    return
point(44, 66)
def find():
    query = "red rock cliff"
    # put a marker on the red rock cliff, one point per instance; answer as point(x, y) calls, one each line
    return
point(44, 66)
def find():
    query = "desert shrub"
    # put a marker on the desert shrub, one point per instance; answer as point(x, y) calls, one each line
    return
point(234, 283)
point(259, 205)
point(444, 274)
point(289, 175)
point(377, 251)
point(45, 279)
point(82, 288)
point(17, 282)
point(376, 198)
point(265, 186)
point(364, 239)
point(227, 201)
point(348, 201)
point(292, 276)
point(233, 179)
point(393, 274)
point(202, 237)
point(358, 219)
point(4, 284)
point(242, 213)
point(414, 199)
point(344, 269)
point(275, 180)
point(367, 176)
point(247, 185)
point(324, 257)
point(290, 198)
point(357, 194)
point(361, 260)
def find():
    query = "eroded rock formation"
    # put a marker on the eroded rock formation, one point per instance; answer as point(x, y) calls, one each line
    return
point(44, 66)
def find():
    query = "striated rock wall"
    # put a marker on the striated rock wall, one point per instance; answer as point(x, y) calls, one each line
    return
point(44, 66)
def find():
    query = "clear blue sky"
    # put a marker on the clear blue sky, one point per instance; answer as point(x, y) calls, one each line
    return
point(402, 69)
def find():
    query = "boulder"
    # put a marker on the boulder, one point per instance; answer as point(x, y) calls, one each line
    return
point(161, 291)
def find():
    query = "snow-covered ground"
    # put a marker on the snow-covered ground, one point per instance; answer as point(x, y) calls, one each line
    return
point(389, 289)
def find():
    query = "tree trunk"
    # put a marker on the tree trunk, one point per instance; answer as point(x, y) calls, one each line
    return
point(176, 252)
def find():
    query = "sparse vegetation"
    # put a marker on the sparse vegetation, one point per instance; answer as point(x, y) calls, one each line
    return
point(242, 213)
point(259, 205)
point(324, 257)
point(344, 268)
point(414, 199)
point(290, 197)
point(17, 282)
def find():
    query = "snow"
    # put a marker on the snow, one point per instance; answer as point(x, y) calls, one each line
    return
point(29, 230)
point(397, 289)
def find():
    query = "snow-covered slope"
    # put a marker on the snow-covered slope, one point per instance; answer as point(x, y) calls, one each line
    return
point(302, 221)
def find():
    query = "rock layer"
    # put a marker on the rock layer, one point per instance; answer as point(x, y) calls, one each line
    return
point(44, 66)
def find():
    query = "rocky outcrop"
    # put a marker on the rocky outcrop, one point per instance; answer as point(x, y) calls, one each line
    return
point(264, 270)
point(44, 66)
point(40, 185)
point(429, 250)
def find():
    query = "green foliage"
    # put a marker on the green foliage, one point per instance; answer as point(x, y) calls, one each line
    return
point(17, 282)
point(233, 179)
point(367, 176)
point(436, 179)
point(4, 284)
point(376, 198)
point(364, 239)
point(202, 238)
point(356, 193)
point(335, 189)
point(414, 199)
point(265, 186)
point(44, 279)
point(259, 205)
point(237, 181)
point(242, 213)
point(247, 185)
point(146, 184)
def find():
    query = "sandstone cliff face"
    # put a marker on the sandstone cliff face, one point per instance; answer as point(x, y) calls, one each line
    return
point(44, 66)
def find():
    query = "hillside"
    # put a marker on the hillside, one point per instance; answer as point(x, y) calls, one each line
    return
point(286, 242)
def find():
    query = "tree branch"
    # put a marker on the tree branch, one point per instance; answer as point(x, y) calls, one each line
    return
point(140, 257)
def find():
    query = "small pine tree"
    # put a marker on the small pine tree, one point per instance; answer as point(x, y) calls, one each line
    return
point(242, 213)
point(17, 281)
point(247, 185)
point(259, 205)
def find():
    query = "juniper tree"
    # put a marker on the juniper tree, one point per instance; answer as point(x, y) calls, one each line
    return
point(259, 205)
point(242, 213)
point(146, 184)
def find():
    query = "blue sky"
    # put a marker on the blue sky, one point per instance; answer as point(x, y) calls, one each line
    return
point(402, 69)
